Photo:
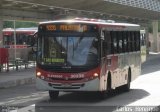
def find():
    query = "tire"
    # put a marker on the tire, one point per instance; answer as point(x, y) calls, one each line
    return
point(107, 93)
point(53, 94)
point(126, 87)
point(109, 89)
point(101, 95)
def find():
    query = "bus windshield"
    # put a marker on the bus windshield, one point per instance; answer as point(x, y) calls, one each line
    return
point(68, 51)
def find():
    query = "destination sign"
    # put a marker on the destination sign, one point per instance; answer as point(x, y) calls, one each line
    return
point(70, 27)
point(67, 27)
point(53, 60)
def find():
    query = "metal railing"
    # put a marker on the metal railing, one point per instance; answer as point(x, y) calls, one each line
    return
point(17, 65)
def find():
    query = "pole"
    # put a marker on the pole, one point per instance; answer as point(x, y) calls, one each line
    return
point(1, 31)
point(15, 48)
point(14, 39)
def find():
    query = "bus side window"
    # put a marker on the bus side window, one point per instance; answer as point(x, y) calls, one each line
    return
point(114, 42)
point(132, 41)
point(33, 39)
point(124, 41)
point(112, 46)
point(117, 41)
point(128, 41)
point(108, 42)
point(138, 41)
point(120, 46)
point(126, 36)
point(6, 40)
point(17, 38)
point(11, 39)
point(135, 40)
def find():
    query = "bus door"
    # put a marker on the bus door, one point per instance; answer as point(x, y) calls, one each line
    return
point(103, 46)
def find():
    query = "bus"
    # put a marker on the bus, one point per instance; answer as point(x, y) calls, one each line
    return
point(23, 42)
point(87, 55)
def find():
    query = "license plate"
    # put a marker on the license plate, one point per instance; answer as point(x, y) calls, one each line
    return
point(67, 85)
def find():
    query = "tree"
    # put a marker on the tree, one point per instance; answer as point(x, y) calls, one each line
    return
point(19, 24)
point(8, 24)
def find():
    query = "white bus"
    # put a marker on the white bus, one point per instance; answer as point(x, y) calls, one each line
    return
point(87, 55)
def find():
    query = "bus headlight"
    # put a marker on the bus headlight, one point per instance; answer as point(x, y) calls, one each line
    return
point(38, 74)
point(95, 74)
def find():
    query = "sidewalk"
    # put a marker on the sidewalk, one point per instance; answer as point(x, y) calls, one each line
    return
point(16, 78)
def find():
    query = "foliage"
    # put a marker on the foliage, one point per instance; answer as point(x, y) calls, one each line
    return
point(19, 24)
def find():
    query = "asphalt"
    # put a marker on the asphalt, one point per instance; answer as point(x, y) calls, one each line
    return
point(27, 76)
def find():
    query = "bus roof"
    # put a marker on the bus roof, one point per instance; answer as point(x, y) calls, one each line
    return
point(98, 22)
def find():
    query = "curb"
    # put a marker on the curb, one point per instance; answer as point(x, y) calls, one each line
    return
point(17, 82)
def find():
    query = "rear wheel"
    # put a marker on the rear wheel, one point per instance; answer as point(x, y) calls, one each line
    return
point(109, 89)
point(126, 87)
point(53, 94)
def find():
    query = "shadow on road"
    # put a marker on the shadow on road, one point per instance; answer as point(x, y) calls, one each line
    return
point(88, 101)
point(152, 64)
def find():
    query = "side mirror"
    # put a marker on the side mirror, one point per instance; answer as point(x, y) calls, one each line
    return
point(102, 34)
point(34, 42)
point(34, 39)
point(34, 49)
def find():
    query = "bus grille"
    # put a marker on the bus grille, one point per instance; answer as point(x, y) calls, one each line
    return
point(66, 86)
point(68, 79)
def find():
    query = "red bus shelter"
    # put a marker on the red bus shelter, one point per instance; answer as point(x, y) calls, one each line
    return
point(3, 58)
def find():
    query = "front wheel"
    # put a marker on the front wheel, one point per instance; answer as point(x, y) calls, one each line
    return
point(53, 94)
point(107, 93)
